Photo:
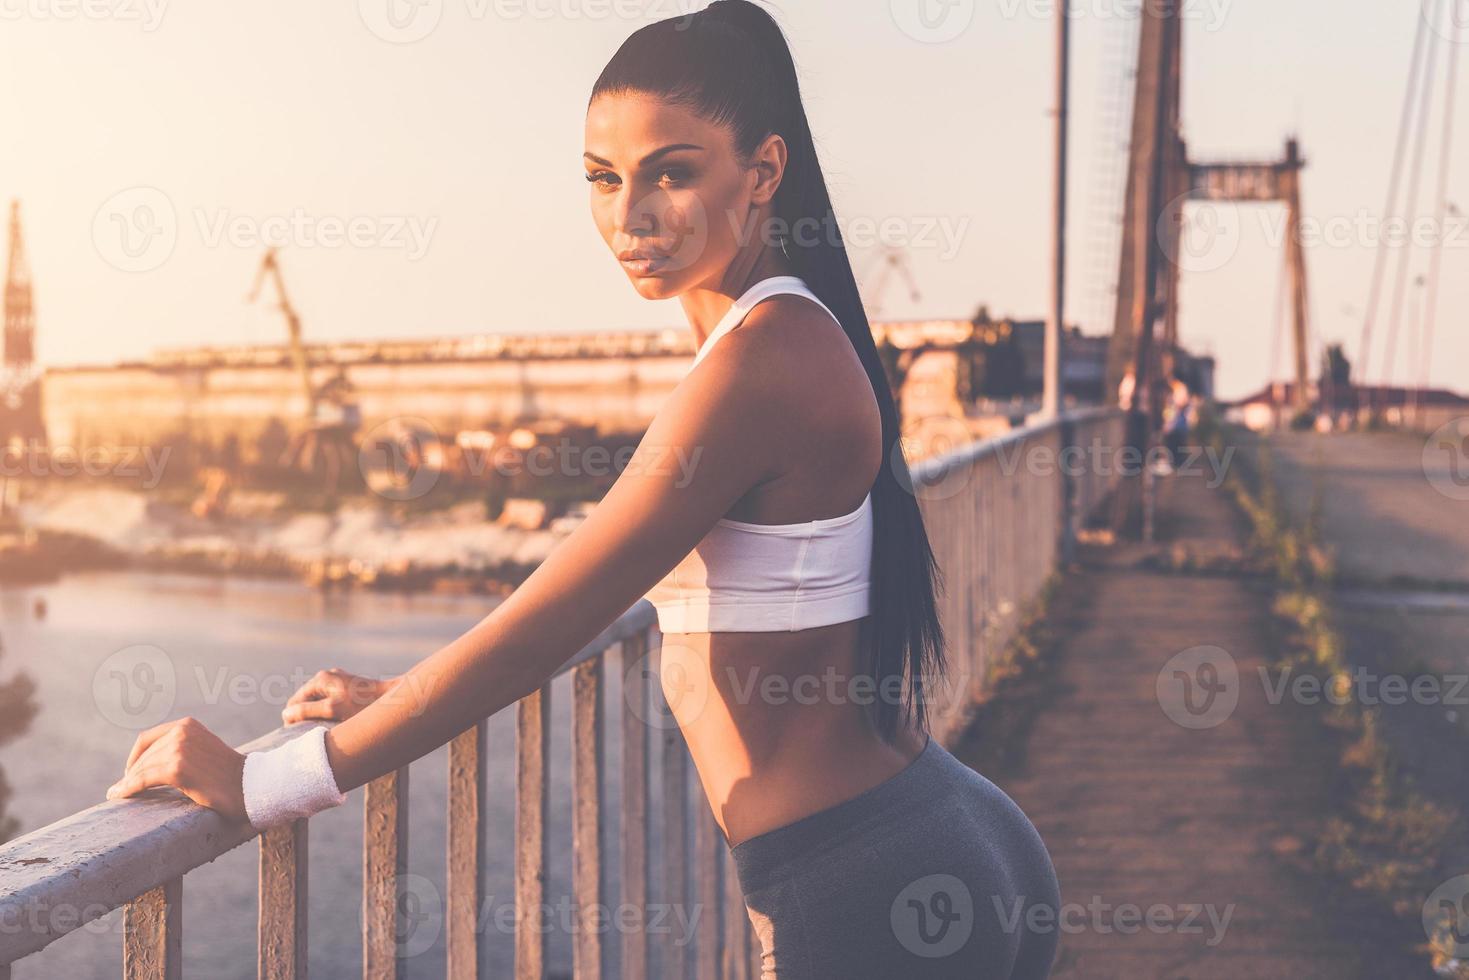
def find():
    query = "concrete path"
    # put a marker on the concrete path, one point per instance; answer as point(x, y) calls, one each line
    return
point(1152, 797)
point(1392, 504)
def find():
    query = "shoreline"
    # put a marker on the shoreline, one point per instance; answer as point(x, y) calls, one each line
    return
point(360, 545)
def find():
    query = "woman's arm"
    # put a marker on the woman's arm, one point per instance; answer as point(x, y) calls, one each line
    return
point(713, 439)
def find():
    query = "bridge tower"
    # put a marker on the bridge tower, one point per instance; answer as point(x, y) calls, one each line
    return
point(1161, 181)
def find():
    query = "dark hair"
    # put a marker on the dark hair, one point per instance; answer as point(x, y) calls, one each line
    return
point(729, 63)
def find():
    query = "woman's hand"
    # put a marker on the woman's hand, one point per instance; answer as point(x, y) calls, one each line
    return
point(333, 695)
point(189, 757)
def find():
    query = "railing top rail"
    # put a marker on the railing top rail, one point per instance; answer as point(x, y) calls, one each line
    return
point(933, 469)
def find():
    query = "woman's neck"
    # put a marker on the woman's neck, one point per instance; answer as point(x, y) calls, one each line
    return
point(706, 305)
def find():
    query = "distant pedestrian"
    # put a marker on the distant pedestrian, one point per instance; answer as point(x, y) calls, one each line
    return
point(1178, 420)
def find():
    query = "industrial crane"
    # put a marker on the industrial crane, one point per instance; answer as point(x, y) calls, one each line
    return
point(332, 416)
point(892, 261)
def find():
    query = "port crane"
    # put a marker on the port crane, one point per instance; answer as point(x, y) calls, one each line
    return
point(332, 417)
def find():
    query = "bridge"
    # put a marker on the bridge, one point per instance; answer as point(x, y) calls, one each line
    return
point(1002, 514)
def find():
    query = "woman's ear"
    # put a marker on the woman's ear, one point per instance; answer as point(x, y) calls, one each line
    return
point(769, 163)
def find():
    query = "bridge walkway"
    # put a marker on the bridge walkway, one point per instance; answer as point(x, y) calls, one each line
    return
point(1140, 810)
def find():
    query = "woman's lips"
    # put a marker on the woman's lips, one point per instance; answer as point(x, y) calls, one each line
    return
point(645, 265)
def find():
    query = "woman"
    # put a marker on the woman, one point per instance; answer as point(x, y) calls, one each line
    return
point(790, 550)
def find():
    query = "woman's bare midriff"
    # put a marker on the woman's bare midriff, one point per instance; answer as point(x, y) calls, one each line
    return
point(776, 723)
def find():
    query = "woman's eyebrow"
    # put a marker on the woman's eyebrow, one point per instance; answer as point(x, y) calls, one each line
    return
point(651, 157)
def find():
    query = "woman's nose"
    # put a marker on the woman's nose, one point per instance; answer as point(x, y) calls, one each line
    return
point(636, 215)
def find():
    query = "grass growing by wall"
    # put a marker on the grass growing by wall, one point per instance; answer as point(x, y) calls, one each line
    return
point(1385, 839)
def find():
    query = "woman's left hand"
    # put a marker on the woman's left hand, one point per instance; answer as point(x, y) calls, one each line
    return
point(186, 755)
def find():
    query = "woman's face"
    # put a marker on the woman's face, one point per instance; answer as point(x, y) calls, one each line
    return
point(669, 193)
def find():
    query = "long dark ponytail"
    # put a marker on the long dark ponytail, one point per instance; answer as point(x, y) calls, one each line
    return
point(730, 64)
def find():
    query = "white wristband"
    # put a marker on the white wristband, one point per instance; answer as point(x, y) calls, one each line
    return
point(290, 781)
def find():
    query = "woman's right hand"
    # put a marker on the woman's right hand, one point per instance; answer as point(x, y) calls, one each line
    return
point(333, 695)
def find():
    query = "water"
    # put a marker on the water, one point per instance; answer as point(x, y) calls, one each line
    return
point(236, 650)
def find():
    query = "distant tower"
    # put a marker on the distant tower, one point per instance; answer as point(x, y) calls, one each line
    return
point(20, 316)
point(20, 389)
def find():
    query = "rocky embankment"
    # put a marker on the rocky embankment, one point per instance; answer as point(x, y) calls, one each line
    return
point(362, 543)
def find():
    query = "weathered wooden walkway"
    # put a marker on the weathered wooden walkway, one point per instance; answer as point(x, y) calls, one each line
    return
point(1196, 824)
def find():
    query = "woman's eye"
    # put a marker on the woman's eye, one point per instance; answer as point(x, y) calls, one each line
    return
point(672, 176)
point(602, 178)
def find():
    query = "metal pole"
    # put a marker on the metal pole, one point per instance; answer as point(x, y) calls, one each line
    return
point(1052, 398)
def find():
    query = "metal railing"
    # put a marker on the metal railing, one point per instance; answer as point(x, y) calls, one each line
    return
point(998, 514)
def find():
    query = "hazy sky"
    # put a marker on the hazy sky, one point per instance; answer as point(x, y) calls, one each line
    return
point(429, 185)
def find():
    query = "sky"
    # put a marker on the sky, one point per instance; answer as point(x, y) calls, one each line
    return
point(419, 160)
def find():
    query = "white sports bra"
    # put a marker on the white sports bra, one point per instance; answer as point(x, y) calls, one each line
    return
point(763, 577)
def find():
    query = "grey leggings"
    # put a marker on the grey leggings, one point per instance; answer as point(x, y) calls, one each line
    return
point(933, 873)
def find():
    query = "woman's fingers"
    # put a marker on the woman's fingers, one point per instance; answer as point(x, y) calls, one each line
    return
point(323, 684)
point(147, 738)
point(192, 759)
point(323, 708)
